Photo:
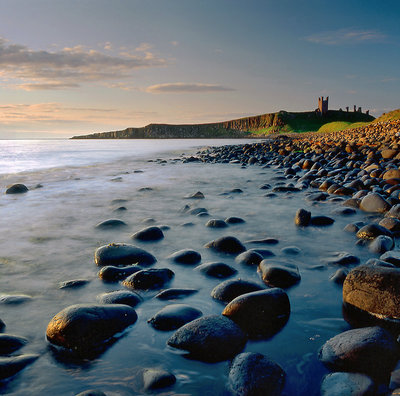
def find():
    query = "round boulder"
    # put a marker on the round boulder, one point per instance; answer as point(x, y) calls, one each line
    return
point(174, 316)
point(120, 297)
point(17, 189)
point(372, 230)
point(149, 279)
point(120, 254)
point(276, 273)
point(249, 257)
point(149, 234)
point(216, 223)
point(226, 244)
point(374, 203)
point(217, 270)
point(260, 314)
point(349, 384)
point(302, 218)
point(11, 365)
point(10, 343)
point(110, 273)
point(185, 256)
point(230, 289)
point(381, 244)
point(85, 329)
point(254, 374)
point(211, 338)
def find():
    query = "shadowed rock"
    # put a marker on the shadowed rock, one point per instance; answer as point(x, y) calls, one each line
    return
point(302, 218)
point(226, 244)
point(17, 189)
point(175, 294)
point(216, 270)
point(149, 279)
point(10, 366)
point(174, 316)
point(120, 297)
point(110, 273)
point(154, 379)
point(249, 257)
point(186, 256)
point(230, 289)
point(276, 273)
point(149, 234)
point(111, 223)
point(120, 254)
point(10, 343)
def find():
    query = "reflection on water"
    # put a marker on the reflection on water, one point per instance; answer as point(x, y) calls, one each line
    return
point(48, 236)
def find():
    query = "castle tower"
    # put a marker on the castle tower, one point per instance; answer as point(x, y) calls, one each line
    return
point(323, 105)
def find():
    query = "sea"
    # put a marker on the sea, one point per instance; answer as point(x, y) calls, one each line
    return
point(48, 236)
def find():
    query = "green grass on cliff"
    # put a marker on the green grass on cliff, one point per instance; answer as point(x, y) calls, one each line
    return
point(391, 116)
point(341, 125)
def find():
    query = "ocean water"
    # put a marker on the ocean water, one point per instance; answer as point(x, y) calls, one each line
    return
point(48, 236)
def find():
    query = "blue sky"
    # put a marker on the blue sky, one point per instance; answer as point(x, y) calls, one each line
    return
point(71, 67)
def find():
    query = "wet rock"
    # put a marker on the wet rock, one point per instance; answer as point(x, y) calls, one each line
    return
point(216, 270)
point(149, 234)
point(291, 250)
point(341, 258)
point(120, 254)
point(394, 212)
point(260, 314)
point(234, 220)
point(344, 211)
point(196, 195)
point(352, 227)
point(302, 218)
point(392, 257)
point(186, 256)
point(73, 283)
point(265, 241)
point(339, 276)
point(374, 203)
point(216, 223)
point(175, 294)
point(91, 392)
point(317, 197)
point(197, 211)
point(174, 316)
point(17, 189)
point(369, 350)
point(391, 174)
point(226, 244)
point(254, 374)
point(381, 244)
point(10, 366)
point(14, 298)
point(230, 289)
point(371, 231)
point(379, 263)
point(85, 329)
point(2, 325)
point(111, 223)
point(374, 289)
point(211, 338)
point(10, 343)
point(352, 203)
point(390, 223)
point(349, 384)
point(120, 297)
point(154, 379)
point(148, 279)
point(109, 273)
point(249, 257)
point(277, 273)
point(321, 221)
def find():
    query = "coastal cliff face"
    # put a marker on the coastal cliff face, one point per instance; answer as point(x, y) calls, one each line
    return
point(255, 126)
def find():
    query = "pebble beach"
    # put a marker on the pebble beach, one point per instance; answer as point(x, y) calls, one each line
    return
point(265, 268)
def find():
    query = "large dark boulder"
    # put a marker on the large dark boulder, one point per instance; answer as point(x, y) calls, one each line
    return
point(216, 270)
point(174, 316)
point(86, 329)
point(11, 365)
point(261, 313)
point(120, 297)
point(149, 234)
point(149, 279)
point(226, 244)
point(232, 288)
point(120, 254)
point(211, 338)
point(277, 273)
point(185, 256)
point(10, 343)
point(374, 289)
point(17, 189)
point(369, 350)
point(253, 374)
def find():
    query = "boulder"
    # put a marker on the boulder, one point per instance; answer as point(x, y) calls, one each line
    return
point(110, 273)
point(216, 223)
point(216, 270)
point(211, 338)
point(17, 189)
point(120, 297)
point(302, 218)
point(369, 350)
point(149, 234)
point(174, 316)
point(120, 254)
point(249, 257)
point(230, 289)
point(321, 221)
point(11, 365)
point(154, 379)
point(175, 294)
point(374, 203)
point(86, 329)
point(149, 279)
point(381, 244)
point(349, 384)
point(372, 230)
point(226, 244)
point(392, 257)
point(185, 256)
point(253, 374)
point(260, 314)
point(277, 273)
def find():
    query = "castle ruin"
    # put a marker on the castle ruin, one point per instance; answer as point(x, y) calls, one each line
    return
point(323, 107)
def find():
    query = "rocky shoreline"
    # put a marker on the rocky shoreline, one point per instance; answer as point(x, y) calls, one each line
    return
point(356, 170)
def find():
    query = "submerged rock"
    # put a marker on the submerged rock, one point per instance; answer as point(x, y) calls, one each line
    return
point(85, 329)
point(17, 189)
point(154, 379)
point(10, 343)
point(149, 234)
point(175, 294)
point(120, 297)
point(10, 366)
point(120, 254)
point(185, 256)
point(111, 223)
point(73, 283)
point(149, 279)
point(110, 273)
point(230, 289)
point(279, 273)
point(216, 223)
point(349, 384)
point(14, 298)
point(211, 338)
point(174, 316)
point(249, 257)
point(254, 374)
point(227, 244)
point(261, 313)
point(216, 270)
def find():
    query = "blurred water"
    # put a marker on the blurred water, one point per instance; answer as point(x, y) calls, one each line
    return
point(48, 236)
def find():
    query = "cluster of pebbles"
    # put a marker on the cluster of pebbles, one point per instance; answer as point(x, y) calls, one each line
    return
point(360, 170)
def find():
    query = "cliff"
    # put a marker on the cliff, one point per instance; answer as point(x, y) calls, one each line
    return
point(255, 126)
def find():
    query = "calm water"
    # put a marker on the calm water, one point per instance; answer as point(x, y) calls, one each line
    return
point(48, 236)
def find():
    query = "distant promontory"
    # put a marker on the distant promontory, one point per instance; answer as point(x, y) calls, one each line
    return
point(247, 127)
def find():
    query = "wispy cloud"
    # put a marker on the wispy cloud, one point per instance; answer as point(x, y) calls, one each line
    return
point(180, 87)
point(346, 36)
point(69, 67)
point(144, 47)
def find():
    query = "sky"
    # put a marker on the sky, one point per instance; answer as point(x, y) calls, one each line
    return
point(82, 66)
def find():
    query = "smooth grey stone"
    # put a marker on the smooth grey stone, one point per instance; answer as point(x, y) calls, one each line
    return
point(154, 379)
point(341, 258)
point(73, 283)
point(11, 365)
point(216, 270)
point(369, 350)
point(149, 234)
point(260, 314)
point(120, 297)
point(10, 343)
point(196, 195)
point(392, 257)
point(216, 223)
point(254, 374)
point(14, 298)
point(85, 329)
point(339, 276)
point(374, 203)
point(110, 273)
point(211, 338)
point(347, 384)
point(111, 223)
point(276, 273)
point(249, 257)
point(185, 256)
point(149, 279)
point(234, 220)
point(232, 288)
point(391, 223)
point(226, 244)
point(120, 254)
point(17, 189)
point(175, 294)
point(381, 244)
point(302, 218)
point(174, 316)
